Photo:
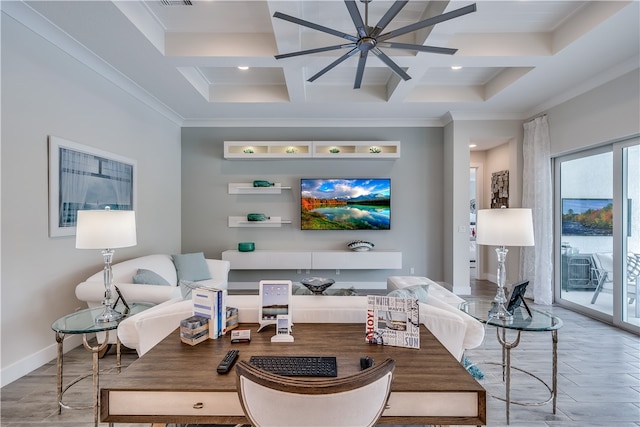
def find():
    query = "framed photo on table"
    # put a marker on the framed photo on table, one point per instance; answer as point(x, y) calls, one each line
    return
point(86, 178)
point(517, 297)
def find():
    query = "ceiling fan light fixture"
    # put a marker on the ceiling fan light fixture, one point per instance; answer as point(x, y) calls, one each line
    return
point(371, 38)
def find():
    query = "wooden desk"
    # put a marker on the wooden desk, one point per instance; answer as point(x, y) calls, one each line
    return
point(177, 383)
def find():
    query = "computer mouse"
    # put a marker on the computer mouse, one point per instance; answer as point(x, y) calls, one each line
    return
point(366, 362)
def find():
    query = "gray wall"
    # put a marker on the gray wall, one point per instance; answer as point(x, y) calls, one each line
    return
point(46, 92)
point(416, 211)
point(604, 114)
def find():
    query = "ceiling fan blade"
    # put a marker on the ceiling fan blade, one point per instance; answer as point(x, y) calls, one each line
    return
point(316, 50)
point(394, 67)
point(360, 71)
point(356, 17)
point(315, 26)
point(428, 22)
point(388, 17)
point(333, 64)
point(418, 47)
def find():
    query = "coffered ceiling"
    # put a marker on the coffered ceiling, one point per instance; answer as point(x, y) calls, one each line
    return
point(517, 57)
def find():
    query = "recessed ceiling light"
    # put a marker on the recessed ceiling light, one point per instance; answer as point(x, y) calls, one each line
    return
point(456, 67)
point(473, 145)
point(243, 67)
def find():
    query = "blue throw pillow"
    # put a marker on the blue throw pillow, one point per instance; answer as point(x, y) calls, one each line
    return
point(148, 277)
point(191, 267)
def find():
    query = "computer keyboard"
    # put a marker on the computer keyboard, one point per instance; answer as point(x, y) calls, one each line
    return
point(297, 366)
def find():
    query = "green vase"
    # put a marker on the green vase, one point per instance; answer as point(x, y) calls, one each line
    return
point(262, 183)
point(257, 217)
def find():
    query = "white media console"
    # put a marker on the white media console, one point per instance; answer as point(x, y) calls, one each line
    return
point(314, 260)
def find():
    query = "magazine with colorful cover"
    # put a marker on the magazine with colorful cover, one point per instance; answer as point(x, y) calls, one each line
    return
point(393, 321)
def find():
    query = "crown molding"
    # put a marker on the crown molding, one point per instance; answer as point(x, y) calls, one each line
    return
point(34, 21)
point(316, 122)
point(599, 80)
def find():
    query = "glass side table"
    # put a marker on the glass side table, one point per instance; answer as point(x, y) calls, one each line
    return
point(83, 322)
point(535, 321)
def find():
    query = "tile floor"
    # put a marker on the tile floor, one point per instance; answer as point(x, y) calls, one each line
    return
point(598, 379)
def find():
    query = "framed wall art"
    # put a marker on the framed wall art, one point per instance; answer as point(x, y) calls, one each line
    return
point(86, 178)
point(500, 189)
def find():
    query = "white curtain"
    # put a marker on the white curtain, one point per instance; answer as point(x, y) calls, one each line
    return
point(536, 262)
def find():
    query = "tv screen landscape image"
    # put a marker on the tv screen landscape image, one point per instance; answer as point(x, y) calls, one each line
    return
point(345, 204)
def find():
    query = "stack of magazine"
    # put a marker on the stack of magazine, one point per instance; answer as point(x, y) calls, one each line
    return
point(393, 321)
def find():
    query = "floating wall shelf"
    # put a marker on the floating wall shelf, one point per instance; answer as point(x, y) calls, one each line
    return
point(260, 150)
point(248, 188)
point(256, 150)
point(241, 221)
point(356, 149)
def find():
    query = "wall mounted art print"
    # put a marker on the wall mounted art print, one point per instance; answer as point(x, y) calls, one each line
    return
point(500, 189)
point(86, 178)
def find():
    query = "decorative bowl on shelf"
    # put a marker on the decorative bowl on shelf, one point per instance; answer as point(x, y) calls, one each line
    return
point(246, 246)
point(360, 245)
point(317, 285)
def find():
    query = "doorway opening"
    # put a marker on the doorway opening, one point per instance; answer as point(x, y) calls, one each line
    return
point(473, 248)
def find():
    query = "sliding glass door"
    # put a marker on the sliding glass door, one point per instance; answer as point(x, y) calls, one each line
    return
point(597, 199)
point(628, 156)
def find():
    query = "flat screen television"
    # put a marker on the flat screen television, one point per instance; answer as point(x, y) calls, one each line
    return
point(345, 204)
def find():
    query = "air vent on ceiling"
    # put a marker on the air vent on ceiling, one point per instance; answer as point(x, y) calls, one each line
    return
point(176, 2)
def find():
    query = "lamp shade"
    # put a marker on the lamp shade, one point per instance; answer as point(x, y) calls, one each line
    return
point(105, 229)
point(504, 227)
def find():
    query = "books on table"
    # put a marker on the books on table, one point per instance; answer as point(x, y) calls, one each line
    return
point(211, 304)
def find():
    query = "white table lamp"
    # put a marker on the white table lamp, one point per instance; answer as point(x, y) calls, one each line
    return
point(504, 227)
point(106, 230)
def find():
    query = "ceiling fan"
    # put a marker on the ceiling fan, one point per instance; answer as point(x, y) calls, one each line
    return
point(370, 39)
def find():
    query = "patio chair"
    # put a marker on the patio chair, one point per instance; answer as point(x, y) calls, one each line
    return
point(603, 274)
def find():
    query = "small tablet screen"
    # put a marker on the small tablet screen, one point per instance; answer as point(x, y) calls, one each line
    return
point(275, 298)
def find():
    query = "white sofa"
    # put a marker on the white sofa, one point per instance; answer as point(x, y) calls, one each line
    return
point(91, 290)
point(454, 329)
point(445, 301)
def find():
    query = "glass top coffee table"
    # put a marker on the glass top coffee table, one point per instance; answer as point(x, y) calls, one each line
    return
point(527, 320)
point(83, 322)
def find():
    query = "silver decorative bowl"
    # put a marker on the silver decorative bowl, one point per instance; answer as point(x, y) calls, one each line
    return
point(317, 285)
point(360, 245)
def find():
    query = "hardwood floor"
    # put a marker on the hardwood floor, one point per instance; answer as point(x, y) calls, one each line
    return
point(598, 378)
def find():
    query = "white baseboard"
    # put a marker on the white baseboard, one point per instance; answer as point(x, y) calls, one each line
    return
point(337, 285)
point(32, 362)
